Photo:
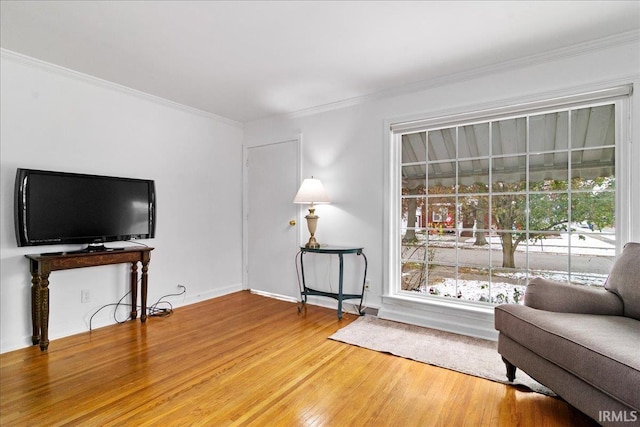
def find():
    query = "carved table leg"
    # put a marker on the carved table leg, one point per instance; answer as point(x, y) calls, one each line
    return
point(44, 311)
point(143, 290)
point(134, 290)
point(35, 308)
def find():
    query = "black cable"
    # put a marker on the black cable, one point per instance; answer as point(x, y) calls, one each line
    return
point(115, 311)
point(359, 310)
point(152, 310)
point(162, 312)
point(137, 243)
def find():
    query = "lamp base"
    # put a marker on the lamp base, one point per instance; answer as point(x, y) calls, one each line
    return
point(312, 243)
point(312, 223)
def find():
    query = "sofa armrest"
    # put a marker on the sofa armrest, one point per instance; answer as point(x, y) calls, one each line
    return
point(550, 295)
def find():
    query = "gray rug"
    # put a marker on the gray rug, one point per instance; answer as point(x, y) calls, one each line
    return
point(473, 356)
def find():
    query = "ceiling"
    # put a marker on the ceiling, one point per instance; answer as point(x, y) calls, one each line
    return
point(245, 60)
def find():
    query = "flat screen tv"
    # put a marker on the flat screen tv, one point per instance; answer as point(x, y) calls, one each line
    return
point(59, 207)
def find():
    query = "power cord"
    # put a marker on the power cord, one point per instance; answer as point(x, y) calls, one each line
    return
point(153, 310)
point(134, 242)
point(114, 312)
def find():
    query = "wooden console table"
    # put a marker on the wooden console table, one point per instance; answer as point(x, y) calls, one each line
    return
point(340, 296)
point(41, 265)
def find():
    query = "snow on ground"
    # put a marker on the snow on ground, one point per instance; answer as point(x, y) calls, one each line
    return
point(582, 241)
point(474, 290)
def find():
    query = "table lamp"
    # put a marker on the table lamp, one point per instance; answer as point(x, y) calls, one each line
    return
point(311, 191)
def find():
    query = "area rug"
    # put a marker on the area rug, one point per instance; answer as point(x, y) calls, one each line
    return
point(472, 356)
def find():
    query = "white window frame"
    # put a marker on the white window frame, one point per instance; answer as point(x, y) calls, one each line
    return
point(394, 129)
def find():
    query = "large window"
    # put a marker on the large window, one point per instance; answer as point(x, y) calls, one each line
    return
point(487, 204)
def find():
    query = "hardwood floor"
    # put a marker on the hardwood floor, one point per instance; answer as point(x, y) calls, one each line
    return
point(244, 359)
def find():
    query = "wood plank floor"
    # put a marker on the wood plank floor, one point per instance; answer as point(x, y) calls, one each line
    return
point(244, 359)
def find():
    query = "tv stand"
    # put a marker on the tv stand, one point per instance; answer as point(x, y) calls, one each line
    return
point(42, 265)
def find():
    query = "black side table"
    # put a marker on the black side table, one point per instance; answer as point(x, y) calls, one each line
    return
point(340, 296)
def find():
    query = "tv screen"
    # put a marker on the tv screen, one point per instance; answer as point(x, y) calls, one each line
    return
point(59, 207)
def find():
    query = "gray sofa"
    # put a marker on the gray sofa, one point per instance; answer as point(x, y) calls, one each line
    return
point(581, 342)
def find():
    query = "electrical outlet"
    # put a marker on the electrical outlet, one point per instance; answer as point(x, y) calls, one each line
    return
point(367, 284)
point(85, 296)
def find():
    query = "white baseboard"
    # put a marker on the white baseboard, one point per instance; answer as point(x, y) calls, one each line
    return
point(15, 344)
point(215, 293)
point(272, 295)
point(348, 306)
point(101, 321)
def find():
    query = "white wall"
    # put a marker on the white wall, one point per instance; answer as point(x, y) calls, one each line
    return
point(60, 120)
point(346, 148)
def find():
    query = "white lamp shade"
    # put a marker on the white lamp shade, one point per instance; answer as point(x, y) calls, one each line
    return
point(311, 191)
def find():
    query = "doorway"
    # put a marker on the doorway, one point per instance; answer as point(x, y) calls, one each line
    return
point(271, 219)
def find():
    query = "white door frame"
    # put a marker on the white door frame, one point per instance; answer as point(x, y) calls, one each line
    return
point(245, 200)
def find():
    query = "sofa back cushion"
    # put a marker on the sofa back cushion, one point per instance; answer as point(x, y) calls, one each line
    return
point(624, 279)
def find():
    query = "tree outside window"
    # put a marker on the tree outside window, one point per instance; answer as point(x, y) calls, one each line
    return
point(486, 206)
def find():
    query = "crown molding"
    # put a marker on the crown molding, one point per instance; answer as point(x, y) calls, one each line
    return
point(629, 37)
point(6, 54)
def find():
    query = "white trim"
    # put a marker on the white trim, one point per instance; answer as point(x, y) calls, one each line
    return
point(391, 212)
point(245, 217)
point(207, 295)
point(454, 316)
point(624, 164)
point(348, 306)
point(100, 322)
point(631, 80)
point(629, 37)
point(445, 316)
point(275, 296)
point(245, 199)
point(300, 217)
point(6, 54)
point(524, 107)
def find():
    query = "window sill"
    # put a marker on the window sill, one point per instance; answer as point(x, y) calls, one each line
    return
point(465, 318)
point(456, 304)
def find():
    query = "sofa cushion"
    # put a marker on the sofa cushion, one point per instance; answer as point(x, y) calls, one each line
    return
point(624, 279)
point(600, 350)
point(545, 294)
